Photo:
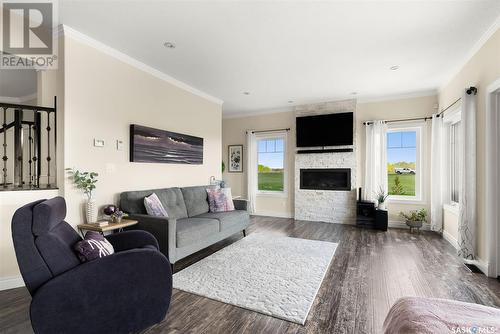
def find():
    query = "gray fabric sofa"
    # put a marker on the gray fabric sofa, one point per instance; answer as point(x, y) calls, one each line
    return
point(190, 226)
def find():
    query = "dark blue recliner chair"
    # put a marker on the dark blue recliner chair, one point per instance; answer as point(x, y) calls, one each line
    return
point(122, 293)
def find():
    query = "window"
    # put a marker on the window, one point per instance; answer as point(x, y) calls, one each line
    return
point(403, 163)
point(271, 164)
point(454, 161)
point(452, 124)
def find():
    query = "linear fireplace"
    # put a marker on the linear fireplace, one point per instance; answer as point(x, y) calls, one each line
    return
point(326, 179)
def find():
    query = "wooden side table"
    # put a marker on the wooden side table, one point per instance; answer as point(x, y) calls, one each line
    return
point(110, 227)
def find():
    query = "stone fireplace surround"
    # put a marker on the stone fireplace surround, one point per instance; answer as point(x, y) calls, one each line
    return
point(332, 206)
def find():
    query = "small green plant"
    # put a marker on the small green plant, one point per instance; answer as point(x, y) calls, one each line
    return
point(397, 188)
point(415, 215)
point(223, 166)
point(381, 195)
point(84, 180)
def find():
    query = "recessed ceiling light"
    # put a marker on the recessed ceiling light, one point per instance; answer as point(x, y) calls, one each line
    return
point(394, 67)
point(354, 93)
point(290, 101)
point(169, 45)
point(246, 93)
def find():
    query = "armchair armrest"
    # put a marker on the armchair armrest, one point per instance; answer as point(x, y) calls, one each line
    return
point(121, 293)
point(240, 204)
point(131, 239)
point(164, 230)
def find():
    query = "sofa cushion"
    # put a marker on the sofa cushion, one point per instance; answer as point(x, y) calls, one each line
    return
point(56, 248)
point(191, 230)
point(171, 199)
point(196, 199)
point(48, 215)
point(229, 220)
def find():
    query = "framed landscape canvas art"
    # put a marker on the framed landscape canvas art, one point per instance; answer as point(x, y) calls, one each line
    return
point(235, 157)
point(161, 146)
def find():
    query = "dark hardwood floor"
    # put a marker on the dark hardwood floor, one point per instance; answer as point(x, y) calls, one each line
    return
point(369, 272)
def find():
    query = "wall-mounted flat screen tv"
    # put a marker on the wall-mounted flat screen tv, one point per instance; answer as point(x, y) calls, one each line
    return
point(325, 130)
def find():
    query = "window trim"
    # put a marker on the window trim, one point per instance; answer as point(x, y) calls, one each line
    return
point(274, 135)
point(450, 118)
point(419, 127)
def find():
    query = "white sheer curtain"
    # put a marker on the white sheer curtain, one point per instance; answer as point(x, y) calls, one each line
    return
point(251, 171)
point(438, 176)
point(376, 159)
point(468, 214)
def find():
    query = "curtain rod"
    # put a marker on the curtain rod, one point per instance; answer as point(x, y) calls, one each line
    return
point(470, 90)
point(275, 130)
point(401, 120)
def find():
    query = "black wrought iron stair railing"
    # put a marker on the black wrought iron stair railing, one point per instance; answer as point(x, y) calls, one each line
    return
point(22, 131)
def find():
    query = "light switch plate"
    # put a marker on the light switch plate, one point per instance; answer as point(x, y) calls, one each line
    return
point(98, 142)
point(119, 145)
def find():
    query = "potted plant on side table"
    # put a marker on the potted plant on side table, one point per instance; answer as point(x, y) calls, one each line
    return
point(86, 181)
point(381, 197)
point(415, 218)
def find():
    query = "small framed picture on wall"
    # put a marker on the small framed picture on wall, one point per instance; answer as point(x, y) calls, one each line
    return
point(235, 157)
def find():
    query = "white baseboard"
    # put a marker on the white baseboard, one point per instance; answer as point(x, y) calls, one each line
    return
point(451, 239)
point(402, 224)
point(274, 214)
point(11, 282)
point(482, 265)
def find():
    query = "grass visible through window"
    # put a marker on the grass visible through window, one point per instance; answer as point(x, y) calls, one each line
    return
point(271, 154)
point(401, 166)
point(271, 181)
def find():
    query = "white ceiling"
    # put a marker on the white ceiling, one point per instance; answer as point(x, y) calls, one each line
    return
point(302, 51)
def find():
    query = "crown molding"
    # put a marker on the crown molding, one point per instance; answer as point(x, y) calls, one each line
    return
point(360, 100)
point(257, 112)
point(402, 96)
point(18, 100)
point(87, 40)
point(472, 52)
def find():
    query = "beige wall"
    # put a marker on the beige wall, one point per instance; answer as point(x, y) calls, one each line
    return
point(397, 109)
point(233, 133)
point(103, 96)
point(99, 97)
point(480, 71)
point(10, 201)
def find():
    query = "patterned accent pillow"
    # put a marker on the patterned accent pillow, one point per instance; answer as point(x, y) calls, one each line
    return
point(218, 200)
point(229, 199)
point(93, 246)
point(154, 206)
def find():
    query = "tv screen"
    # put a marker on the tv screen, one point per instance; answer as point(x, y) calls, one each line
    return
point(325, 130)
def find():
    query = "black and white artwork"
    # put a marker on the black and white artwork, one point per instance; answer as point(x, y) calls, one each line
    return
point(235, 156)
point(161, 146)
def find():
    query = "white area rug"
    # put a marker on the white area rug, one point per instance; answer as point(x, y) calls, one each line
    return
point(274, 275)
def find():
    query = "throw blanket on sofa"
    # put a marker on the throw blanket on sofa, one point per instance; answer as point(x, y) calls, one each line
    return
point(412, 315)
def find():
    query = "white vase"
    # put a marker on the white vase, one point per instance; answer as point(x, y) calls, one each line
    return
point(381, 206)
point(91, 211)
